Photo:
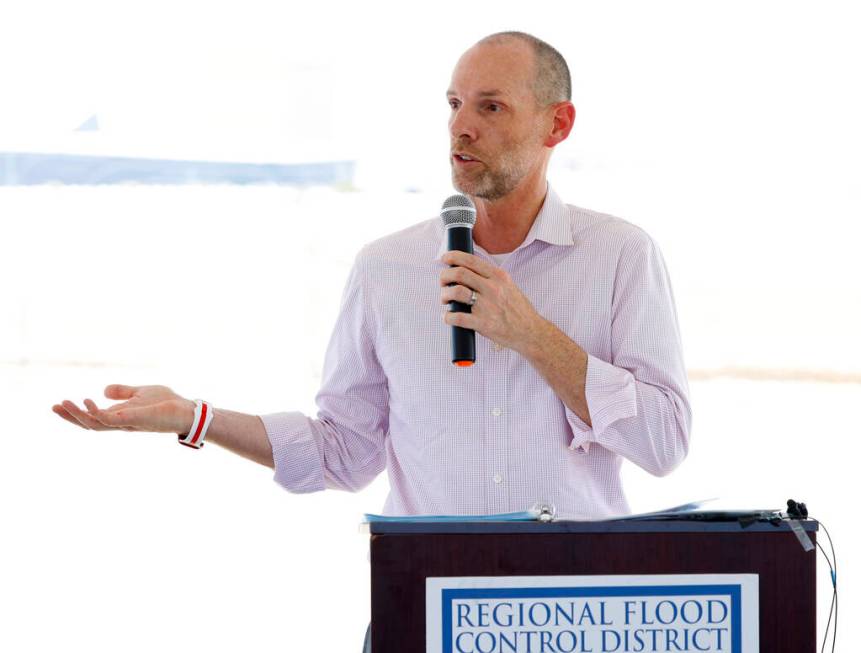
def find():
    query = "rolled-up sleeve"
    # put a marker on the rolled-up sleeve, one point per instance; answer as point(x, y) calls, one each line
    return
point(344, 447)
point(638, 401)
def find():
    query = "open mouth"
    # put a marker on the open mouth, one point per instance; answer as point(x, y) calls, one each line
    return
point(464, 159)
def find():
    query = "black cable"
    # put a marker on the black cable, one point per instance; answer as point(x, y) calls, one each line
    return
point(831, 544)
point(833, 582)
point(834, 601)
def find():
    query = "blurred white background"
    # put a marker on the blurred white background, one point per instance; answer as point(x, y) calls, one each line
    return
point(727, 130)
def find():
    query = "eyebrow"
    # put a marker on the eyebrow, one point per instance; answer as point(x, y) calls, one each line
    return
point(491, 93)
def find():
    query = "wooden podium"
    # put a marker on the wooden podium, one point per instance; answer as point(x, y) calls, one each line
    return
point(404, 555)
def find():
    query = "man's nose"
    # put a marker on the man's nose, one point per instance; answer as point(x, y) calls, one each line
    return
point(461, 126)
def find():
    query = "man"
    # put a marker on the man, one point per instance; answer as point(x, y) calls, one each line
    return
point(579, 360)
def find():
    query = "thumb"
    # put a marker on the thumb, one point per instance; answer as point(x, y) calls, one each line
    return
point(117, 391)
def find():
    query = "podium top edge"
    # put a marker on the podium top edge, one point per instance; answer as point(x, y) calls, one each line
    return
point(634, 526)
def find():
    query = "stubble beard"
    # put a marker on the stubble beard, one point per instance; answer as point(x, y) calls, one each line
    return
point(493, 182)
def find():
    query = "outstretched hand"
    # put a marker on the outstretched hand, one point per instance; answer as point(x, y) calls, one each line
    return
point(153, 408)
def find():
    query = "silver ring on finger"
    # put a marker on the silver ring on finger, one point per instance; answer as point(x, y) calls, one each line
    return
point(472, 298)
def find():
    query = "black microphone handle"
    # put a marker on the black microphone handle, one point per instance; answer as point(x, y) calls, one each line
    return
point(462, 340)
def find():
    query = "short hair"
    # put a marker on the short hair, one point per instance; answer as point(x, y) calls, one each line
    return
point(552, 82)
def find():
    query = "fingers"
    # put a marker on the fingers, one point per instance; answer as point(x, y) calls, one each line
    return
point(110, 409)
point(465, 320)
point(75, 414)
point(455, 294)
point(463, 277)
point(62, 412)
point(118, 391)
point(111, 418)
point(470, 261)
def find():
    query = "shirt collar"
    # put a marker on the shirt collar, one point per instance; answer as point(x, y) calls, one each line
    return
point(551, 225)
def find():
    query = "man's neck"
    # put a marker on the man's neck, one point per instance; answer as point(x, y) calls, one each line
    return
point(501, 225)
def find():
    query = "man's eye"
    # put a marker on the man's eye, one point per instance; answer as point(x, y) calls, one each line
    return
point(453, 104)
point(493, 107)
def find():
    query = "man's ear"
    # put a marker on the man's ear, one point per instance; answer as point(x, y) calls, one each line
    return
point(563, 121)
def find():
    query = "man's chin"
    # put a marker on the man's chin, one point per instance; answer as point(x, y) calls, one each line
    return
point(466, 187)
point(473, 190)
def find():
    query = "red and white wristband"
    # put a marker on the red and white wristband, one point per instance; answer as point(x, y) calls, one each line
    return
point(202, 419)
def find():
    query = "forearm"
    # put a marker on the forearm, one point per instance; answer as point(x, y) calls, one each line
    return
point(647, 424)
point(242, 434)
point(562, 363)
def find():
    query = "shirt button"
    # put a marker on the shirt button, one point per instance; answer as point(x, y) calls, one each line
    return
point(497, 346)
point(496, 412)
point(497, 478)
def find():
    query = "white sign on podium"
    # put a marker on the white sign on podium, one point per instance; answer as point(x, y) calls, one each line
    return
point(718, 613)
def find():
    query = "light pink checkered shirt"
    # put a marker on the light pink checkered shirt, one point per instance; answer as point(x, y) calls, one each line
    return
point(494, 437)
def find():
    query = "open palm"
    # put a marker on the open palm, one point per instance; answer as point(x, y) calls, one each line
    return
point(154, 408)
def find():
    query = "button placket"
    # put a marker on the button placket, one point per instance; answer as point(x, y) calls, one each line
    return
point(497, 463)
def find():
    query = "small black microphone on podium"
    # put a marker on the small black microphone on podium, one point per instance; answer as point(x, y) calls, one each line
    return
point(458, 216)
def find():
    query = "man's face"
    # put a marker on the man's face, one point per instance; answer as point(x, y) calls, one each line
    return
point(495, 125)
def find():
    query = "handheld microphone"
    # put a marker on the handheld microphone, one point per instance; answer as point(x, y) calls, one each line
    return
point(458, 216)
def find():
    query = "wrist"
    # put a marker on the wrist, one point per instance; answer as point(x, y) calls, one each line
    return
point(537, 338)
point(186, 416)
point(196, 434)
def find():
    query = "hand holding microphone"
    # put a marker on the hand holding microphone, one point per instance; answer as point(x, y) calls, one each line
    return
point(483, 297)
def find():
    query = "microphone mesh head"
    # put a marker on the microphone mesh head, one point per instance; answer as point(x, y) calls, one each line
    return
point(458, 209)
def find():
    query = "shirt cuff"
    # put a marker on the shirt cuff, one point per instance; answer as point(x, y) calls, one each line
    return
point(298, 462)
point(611, 394)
